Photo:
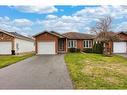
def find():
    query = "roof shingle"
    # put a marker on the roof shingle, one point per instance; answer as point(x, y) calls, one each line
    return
point(76, 35)
point(17, 35)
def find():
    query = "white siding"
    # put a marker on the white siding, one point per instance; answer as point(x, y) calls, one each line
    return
point(23, 46)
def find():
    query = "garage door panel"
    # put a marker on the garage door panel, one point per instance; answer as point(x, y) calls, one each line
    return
point(5, 47)
point(119, 47)
point(46, 48)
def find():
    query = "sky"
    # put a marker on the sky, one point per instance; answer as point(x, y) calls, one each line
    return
point(29, 20)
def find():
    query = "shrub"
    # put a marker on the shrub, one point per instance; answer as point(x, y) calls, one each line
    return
point(98, 48)
point(74, 50)
point(77, 50)
point(87, 50)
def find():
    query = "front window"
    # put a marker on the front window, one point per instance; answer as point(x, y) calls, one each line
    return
point(87, 43)
point(72, 44)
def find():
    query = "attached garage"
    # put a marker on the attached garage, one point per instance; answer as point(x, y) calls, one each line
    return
point(5, 47)
point(46, 43)
point(46, 48)
point(119, 47)
point(49, 42)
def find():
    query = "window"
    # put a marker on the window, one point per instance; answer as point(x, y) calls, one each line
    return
point(72, 44)
point(17, 46)
point(87, 43)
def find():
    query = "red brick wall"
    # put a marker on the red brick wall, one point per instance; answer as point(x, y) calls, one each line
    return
point(80, 44)
point(46, 37)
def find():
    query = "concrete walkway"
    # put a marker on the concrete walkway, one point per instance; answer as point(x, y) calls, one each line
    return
point(38, 72)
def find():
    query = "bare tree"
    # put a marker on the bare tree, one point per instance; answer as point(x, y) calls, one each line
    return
point(103, 33)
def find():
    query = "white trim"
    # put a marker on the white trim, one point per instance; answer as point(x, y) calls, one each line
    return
point(84, 43)
point(74, 43)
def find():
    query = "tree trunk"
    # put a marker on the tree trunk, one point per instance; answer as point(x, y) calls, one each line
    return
point(106, 50)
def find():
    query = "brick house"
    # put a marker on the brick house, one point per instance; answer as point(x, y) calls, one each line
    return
point(54, 43)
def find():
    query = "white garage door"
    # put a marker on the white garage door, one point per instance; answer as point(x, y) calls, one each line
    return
point(46, 47)
point(5, 47)
point(119, 47)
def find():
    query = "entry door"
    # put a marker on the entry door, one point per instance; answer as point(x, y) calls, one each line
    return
point(46, 48)
point(61, 45)
point(119, 47)
point(5, 47)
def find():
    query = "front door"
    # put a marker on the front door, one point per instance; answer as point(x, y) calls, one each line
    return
point(61, 45)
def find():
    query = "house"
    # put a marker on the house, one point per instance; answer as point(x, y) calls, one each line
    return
point(53, 42)
point(119, 46)
point(15, 43)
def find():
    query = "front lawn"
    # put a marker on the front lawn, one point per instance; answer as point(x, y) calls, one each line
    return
point(95, 71)
point(8, 60)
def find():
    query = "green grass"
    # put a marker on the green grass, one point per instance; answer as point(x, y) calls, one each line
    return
point(8, 60)
point(95, 71)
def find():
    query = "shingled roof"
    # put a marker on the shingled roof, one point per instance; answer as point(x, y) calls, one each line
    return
point(50, 32)
point(17, 35)
point(76, 35)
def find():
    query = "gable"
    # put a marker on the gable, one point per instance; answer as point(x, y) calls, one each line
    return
point(5, 37)
point(123, 36)
point(46, 36)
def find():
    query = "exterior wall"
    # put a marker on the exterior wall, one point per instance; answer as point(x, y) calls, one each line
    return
point(46, 37)
point(23, 45)
point(7, 38)
point(80, 44)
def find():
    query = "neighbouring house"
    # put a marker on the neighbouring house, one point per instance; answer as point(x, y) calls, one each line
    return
point(15, 43)
point(119, 46)
point(54, 43)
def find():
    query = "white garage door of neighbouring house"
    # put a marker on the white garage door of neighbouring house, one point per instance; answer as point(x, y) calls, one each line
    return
point(5, 47)
point(46, 47)
point(119, 47)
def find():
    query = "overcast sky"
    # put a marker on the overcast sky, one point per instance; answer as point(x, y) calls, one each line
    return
point(29, 20)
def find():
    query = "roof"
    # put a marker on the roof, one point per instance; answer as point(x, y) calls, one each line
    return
point(76, 35)
point(50, 32)
point(122, 38)
point(17, 35)
point(107, 36)
point(123, 32)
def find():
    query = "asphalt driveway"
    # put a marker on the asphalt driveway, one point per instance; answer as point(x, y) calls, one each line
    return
point(38, 72)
